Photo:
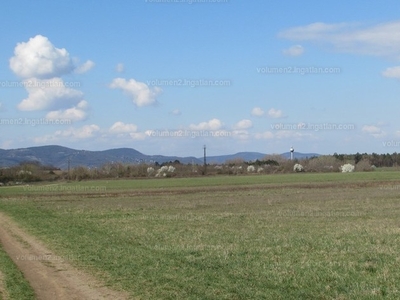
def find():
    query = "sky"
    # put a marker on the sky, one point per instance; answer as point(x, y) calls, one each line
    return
point(170, 76)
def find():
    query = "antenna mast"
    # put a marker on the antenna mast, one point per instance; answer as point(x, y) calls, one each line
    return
point(291, 153)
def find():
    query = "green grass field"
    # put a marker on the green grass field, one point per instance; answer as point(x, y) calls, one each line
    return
point(294, 236)
point(14, 284)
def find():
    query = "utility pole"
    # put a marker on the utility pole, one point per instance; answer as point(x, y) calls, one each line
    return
point(205, 161)
point(69, 167)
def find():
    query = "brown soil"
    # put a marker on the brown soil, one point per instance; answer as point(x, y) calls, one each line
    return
point(50, 278)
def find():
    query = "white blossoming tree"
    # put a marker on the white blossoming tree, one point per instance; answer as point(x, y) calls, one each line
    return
point(165, 170)
point(150, 170)
point(347, 168)
point(251, 169)
point(298, 168)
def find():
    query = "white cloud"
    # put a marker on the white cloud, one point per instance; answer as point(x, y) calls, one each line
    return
point(313, 31)
point(213, 124)
point(120, 68)
point(275, 113)
point(393, 72)
point(40, 59)
point(123, 131)
point(371, 129)
point(137, 136)
point(257, 111)
point(41, 64)
point(120, 127)
point(375, 131)
point(295, 50)
point(76, 113)
point(49, 94)
point(82, 133)
point(243, 124)
point(241, 134)
point(85, 67)
point(176, 112)
point(1, 107)
point(380, 40)
point(139, 92)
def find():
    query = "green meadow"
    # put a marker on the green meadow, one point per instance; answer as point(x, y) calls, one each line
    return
point(289, 236)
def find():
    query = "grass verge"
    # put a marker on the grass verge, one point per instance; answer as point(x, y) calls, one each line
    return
point(12, 282)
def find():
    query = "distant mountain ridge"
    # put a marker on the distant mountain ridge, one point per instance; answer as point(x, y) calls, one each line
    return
point(60, 157)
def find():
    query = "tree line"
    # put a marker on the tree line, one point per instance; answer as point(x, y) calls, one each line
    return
point(33, 171)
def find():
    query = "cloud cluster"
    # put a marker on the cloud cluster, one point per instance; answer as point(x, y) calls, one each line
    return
point(40, 64)
point(75, 113)
point(373, 130)
point(378, 40)
point(382, 39)
point(118, 131)
point(272, 113)
point(72, 134)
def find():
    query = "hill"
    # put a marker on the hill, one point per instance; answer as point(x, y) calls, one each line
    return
point(60, 157)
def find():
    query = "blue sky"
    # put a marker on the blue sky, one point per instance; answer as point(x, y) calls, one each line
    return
point(167, 78)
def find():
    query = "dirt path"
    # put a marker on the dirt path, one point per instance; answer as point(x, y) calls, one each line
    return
point(50, 278)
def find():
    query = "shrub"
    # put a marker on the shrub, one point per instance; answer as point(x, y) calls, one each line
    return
point(325, 163)
point(275, 159)
point(363, 165)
